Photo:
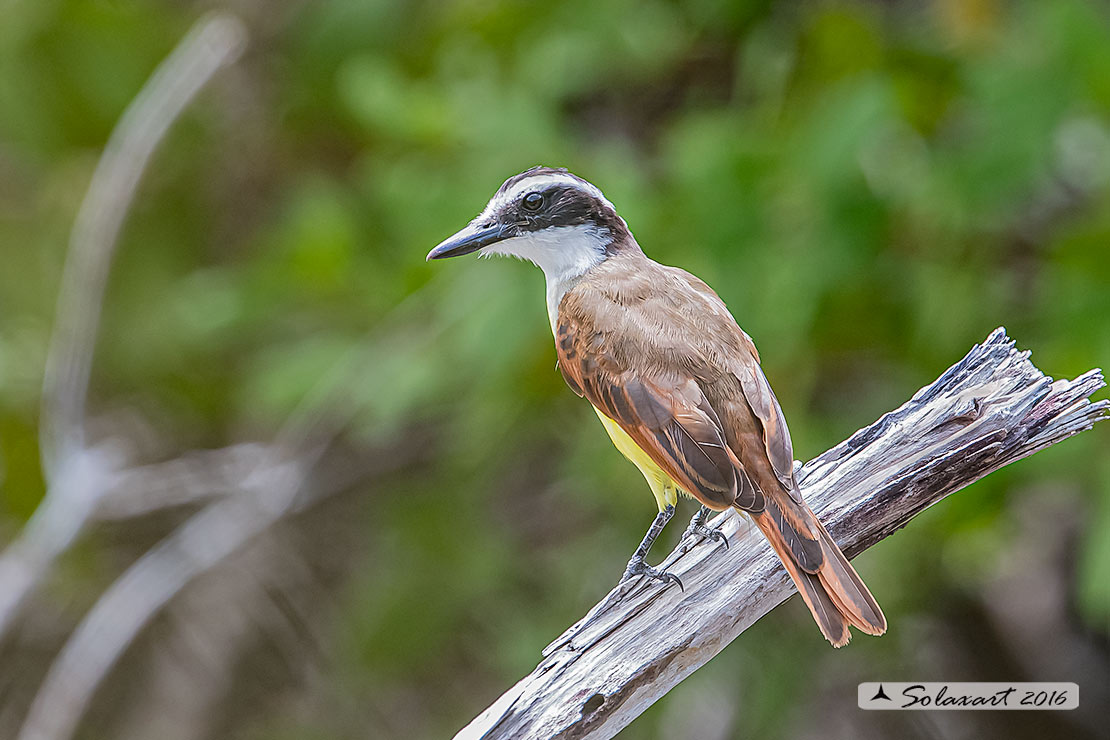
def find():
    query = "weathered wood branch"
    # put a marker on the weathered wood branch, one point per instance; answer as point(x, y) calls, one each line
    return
point(989, 409)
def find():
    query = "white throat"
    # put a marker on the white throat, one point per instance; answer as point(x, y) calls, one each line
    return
point(564, 253)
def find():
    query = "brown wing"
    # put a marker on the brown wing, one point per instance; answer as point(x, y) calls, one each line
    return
point(754, 423)
point(775, 476)
point(776, 436)
point(668, 417)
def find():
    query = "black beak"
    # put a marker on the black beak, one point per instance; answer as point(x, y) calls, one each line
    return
point(471, 239)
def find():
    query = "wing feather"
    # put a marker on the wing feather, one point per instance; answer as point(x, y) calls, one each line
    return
point(669, 418)
point(776, 436)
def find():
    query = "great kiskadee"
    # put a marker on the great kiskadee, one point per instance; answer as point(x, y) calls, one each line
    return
point(675, 381)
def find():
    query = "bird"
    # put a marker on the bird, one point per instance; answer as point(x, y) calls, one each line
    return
point(675, 381)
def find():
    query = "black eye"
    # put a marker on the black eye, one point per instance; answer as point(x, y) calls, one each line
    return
point(532, 202)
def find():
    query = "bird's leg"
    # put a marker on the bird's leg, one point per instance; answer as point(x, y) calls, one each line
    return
point(697, 526)
point(637, 566)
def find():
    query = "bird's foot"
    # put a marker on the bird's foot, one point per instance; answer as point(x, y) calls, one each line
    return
point(698, 527)
point(710, 532)
point(637, 567)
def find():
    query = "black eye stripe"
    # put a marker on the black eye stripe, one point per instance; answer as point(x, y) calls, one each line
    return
point(561, 206)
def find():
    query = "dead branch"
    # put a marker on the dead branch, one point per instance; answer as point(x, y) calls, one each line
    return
point(213, 43)
point(989, 409)
point(78, 476)
point(205, 540)
point(246, 488)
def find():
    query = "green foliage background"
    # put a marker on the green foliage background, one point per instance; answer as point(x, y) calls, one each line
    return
point(871, 188)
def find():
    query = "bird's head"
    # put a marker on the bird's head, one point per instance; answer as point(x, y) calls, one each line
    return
point(547, 216)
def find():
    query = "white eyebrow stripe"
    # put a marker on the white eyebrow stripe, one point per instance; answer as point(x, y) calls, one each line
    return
point(541, 183)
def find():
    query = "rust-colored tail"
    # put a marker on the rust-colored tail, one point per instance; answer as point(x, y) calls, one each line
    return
point(829, 585)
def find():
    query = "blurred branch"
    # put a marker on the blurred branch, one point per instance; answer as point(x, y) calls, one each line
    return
point(211, 44)
point(991, 408)
point(203, 541)
point(190, 667)
point(254, 486)
point(77, 476)
point(272, 489)
point(64, 512)
point(196, 477)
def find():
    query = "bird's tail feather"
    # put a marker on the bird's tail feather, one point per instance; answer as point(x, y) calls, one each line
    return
point(834, 593)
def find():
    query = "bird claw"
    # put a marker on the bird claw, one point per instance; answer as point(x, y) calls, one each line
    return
point(697, 528)
point(638, 567)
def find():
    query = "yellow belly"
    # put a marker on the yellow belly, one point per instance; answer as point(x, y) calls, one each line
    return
point(663, 487)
